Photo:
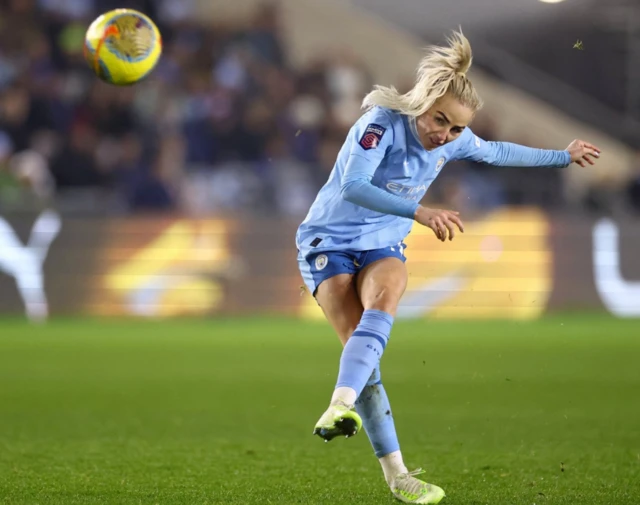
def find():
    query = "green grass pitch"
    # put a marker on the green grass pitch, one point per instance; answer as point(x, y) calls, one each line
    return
point(221, 411)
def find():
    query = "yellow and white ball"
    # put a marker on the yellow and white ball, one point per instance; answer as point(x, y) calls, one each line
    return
point(122, 46)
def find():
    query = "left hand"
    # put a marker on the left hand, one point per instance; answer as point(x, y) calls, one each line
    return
point(582, 152)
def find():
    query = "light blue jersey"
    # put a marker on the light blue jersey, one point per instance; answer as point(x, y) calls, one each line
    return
point(381, 174)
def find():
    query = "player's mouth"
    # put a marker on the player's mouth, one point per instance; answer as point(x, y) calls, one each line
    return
point(432, 143)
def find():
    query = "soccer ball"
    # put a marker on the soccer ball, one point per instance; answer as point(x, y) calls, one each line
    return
point(122, 46)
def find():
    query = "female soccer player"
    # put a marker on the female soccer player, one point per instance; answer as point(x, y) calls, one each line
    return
point(350, 245)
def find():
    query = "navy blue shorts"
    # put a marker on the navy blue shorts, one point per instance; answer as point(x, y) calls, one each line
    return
point(318, 267)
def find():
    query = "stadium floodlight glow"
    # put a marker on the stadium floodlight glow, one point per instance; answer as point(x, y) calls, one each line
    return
point(551, 1)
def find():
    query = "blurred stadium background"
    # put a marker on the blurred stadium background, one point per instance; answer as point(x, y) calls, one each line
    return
point(176, 201)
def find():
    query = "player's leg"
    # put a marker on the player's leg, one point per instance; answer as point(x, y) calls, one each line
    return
point(366, 343)
point(340, 303)
point(338, 299)
point(380, 286)
point(364, 349)
point(329, 277)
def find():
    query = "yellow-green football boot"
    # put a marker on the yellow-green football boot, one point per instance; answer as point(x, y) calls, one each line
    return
point(338, 420)
point(406, 488)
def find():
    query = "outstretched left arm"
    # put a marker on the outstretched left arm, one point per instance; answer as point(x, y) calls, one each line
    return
point(506, 154)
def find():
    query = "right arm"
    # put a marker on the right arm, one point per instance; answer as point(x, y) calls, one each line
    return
point(356, 188)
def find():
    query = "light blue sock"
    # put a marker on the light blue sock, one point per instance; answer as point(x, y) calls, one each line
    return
point(375, 411)
point(364, 350)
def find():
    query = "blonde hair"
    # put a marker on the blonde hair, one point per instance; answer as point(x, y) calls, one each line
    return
point(442, 70)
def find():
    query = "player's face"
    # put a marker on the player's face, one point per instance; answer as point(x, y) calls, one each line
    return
point(443, 122)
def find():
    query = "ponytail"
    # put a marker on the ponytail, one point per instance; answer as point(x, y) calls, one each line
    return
point(442, 70)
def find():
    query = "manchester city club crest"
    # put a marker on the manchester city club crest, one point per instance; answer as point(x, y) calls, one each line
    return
point(321, 261)
point(440, 164)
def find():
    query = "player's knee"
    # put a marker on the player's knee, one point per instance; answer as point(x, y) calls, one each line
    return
point(382, 299)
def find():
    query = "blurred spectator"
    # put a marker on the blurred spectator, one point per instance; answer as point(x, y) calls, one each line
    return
point(263, 36)
point(291, 182)
point(31, 168)
point(7, 181)
point(75, 165)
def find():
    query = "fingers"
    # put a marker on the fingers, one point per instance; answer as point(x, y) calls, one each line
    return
point(597, 150)
point(455, 219)
point(436, 230)
point(588, 155)
point(432, 223)
point(593, 152)
point(588, 159)
point(444, 225)
point(583, 153)
point(442, 230)
point(450, 227)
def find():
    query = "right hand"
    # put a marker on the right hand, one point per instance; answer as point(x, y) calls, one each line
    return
point(440, 221)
